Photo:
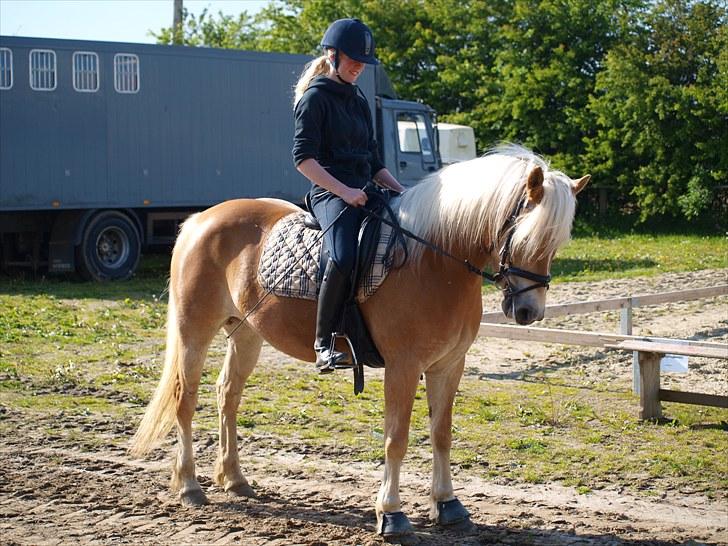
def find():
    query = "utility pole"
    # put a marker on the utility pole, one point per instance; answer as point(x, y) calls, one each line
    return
point(177, 32)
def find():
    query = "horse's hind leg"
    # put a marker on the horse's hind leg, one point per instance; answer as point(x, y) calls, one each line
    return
point(192, 359)
point(442, 382)
point(242, 355)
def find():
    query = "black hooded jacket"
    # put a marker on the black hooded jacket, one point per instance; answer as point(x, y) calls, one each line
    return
point(334, 126)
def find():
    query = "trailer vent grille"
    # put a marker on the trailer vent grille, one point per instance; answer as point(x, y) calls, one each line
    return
point(126, 73)
point(6, 68)
point(85, 71)
point(42, 70)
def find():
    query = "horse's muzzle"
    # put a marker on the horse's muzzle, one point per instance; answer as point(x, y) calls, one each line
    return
point(522, 313)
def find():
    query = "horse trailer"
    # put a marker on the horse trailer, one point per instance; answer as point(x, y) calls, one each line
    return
point(105, 147)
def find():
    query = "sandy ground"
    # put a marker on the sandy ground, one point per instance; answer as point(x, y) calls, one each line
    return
point(703, 319)
point(53, 491)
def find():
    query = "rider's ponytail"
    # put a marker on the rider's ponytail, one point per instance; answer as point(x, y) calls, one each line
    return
point(317, 67)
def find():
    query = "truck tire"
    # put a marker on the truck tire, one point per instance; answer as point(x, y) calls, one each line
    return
point(110, 247)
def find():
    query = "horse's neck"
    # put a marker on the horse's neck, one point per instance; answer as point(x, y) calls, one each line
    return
point(457, 251)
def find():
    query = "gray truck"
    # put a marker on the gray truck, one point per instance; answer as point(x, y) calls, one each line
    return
point(105, 147)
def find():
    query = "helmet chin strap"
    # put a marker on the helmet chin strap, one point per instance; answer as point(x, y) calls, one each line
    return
point(336, 68)
point(342, 80)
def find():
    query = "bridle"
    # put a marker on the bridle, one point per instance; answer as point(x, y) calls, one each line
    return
point(505, 269)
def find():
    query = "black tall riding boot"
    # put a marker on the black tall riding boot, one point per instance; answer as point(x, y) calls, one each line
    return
point(334, 289)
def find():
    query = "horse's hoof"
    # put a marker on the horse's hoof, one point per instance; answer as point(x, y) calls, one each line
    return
point(452, 514)
point(394, 527)
point(194, 497)
point(240, 490)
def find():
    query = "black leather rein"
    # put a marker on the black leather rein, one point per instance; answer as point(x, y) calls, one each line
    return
point(505, 270)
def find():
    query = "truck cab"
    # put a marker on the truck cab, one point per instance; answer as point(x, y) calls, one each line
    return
point(407, 129)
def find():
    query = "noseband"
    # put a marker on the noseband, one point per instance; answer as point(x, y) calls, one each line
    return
point(506, 270)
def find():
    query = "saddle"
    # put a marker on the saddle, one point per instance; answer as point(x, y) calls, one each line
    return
point(289, 267)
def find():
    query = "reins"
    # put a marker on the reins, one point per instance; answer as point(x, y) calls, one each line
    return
point(504, 268)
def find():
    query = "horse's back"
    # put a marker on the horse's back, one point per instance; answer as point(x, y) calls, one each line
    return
point(229, 224)
point(219, 248)
point(239, 212)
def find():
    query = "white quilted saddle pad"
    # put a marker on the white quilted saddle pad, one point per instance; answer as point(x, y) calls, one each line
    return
point(289, 264)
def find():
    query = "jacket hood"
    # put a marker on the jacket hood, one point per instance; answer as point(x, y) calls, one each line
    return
point(323, 82)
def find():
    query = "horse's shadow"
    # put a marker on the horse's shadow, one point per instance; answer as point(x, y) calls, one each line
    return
point(267, 504)
point(524, 374)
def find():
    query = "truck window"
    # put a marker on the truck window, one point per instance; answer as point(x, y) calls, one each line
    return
point(6, 68)
point(126, 73)
point(85, 71)
point(413, 137)
point(42, 69)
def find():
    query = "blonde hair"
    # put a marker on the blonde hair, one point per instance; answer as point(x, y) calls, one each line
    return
point(317, 67)
point(471, 201)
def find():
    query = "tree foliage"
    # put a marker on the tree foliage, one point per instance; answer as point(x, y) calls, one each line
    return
point(660, 110)
point(633, 91)
point(223, 31)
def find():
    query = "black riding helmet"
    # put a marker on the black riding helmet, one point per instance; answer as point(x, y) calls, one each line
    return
point(353, 38)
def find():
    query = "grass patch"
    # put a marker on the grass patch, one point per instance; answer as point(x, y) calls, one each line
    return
point(83, 349)
point(596, 440)
point(597, 257)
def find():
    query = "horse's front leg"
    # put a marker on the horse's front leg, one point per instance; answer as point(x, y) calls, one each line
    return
point(442, 382)
point(242, 355)
point(400, 385)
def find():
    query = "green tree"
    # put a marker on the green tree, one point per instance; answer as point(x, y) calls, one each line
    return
point(296, 26)
point(547, 60)
point(225, 31)
point(661, 109)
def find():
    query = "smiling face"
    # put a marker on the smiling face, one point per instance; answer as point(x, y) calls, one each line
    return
point(349, 69)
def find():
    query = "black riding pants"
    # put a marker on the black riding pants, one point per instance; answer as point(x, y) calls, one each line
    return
point(340, 242)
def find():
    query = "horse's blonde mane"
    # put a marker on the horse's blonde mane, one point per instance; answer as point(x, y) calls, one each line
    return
point(470, 202)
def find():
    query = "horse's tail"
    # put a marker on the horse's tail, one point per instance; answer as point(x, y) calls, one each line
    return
point(161, 412)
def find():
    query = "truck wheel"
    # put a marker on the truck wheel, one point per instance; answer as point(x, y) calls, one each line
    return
point(110, 248)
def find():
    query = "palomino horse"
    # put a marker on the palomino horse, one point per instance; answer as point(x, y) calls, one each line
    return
point(423, 318)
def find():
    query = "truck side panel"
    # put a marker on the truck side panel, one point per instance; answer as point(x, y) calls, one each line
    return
point(89, 175)
point(206, 125)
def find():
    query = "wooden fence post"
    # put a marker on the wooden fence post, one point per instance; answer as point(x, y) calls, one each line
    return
point(625, 327)
point(649, 365)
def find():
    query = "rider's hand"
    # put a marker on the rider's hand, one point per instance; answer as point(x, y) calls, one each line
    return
point(354, 197)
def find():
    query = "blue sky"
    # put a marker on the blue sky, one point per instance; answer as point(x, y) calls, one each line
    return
point(108, 20)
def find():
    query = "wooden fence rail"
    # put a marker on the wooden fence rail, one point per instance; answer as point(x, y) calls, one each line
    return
point(625, 304)
point(648, 351)
point(589, 339)
point(613, 304)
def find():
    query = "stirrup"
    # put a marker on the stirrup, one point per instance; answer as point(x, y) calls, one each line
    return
point(336, 360)
point(329, 365)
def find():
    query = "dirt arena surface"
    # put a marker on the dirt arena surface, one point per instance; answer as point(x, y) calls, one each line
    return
point(60, 489)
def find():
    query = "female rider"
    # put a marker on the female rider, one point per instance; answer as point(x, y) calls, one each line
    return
point(334, 147)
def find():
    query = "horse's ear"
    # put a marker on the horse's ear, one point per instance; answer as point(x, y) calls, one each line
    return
point(535, 185)
point(580, 184)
